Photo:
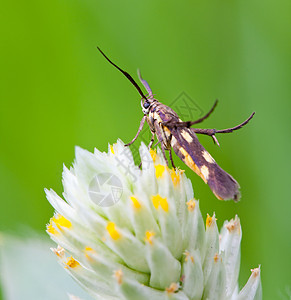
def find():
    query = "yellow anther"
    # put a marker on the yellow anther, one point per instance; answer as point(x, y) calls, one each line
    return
point(115, 235)
point(153, 154)
point(160, 169)
point(159, 201)
point(216, 257)
point(210, 220)
point(59, 222)
point(59, 251)
point(172, 288)
point(71, 263)
point(255, 272)
point(118, 274)
point(111, 149)
point(149, 237)
point(191, 204)
point(88, 252)
point(233, 225)
point(135, 202)
point(188, 256)
point(51, 229)
point(176, 176)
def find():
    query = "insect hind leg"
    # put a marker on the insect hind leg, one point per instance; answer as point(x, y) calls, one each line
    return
point(212, 132)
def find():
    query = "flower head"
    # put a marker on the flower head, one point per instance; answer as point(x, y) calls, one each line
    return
point(127, 233)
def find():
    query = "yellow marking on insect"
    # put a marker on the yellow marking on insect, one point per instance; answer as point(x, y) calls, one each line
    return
point(59, 221)
point(156, 117)
point(167, 130)
point(160, 169)
point(205, 172)
point(149, 237)
point(71, 263)
point(153, 154)
point(173, 141)
point(135, 202)
point(115, 235)
point(190, 163)
point(187, 136)
point(191, 204)
point(208, 157)
point(118, 274)
point(218, 197)
point(159, 201)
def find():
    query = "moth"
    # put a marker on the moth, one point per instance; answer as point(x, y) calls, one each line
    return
point(173, 133)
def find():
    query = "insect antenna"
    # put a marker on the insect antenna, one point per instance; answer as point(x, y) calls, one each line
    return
point(125, 74)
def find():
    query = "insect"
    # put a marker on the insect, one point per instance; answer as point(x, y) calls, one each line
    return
point(172, 132)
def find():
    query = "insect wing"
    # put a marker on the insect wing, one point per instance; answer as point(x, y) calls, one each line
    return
point(187, 146)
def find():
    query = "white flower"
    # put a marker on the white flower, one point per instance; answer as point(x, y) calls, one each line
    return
point(126, 233)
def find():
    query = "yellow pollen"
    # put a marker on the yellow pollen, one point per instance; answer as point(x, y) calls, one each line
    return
point(71, 263)
point(188, 256)
point(191, 204)
point(60, 222)
point(149, 237)
point(210, 220)
point(135, 202)
point(216, 257)
point(59, 251)
point(118, 274)
point(160, 169)
point(111, 149)
point(233, 225)
point(255, 272)
point(51, 229)
point(159, 201)
point(88, 252)
point(115, 235)
point(153, 154)
point(172, 288)
point(175, 175)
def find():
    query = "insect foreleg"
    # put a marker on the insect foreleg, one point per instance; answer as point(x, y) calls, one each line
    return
point(160, 138)
point(139, 130)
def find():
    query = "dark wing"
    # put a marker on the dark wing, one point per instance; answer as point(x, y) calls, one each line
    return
point(187, 146)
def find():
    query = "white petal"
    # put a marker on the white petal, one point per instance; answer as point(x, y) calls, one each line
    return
point(230, 245)
point(253, 289)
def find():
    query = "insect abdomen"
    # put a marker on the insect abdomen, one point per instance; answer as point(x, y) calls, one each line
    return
point(186, 145)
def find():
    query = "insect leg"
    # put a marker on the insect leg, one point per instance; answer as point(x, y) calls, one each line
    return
point(160, 138)
point(139, 130)
point(164, 153)
point(190, 123)
point(151, 141)
point(212, 132)
point(171, 158)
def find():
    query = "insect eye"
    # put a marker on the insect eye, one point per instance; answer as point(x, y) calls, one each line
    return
point(146, 104)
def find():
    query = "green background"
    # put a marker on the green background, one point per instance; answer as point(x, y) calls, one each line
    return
point(57, 91)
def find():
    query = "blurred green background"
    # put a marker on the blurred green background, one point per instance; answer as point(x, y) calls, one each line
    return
point(57, 91)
